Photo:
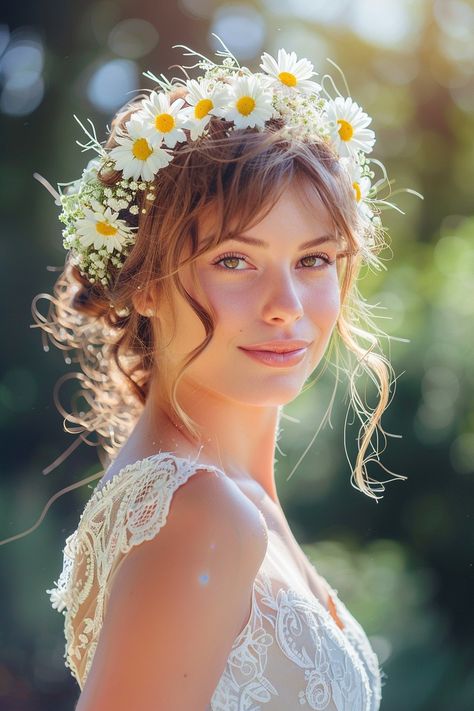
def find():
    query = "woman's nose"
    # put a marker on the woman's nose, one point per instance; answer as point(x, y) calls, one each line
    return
point(282, 300)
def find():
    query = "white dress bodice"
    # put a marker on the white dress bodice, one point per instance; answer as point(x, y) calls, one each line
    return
point(292, 653)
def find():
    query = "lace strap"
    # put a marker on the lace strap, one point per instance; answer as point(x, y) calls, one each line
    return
point(131, 508)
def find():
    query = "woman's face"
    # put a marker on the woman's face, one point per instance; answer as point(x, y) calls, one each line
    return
point(261, 294)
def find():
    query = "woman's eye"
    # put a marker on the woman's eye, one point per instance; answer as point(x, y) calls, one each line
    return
point(231, 257)
point(324, 257)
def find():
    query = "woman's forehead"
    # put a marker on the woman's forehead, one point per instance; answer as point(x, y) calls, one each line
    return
point(309, 210)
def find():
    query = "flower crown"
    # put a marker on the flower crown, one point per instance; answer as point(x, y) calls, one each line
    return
point(101, 221)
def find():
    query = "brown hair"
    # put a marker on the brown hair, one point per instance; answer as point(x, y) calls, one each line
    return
point(240, 176)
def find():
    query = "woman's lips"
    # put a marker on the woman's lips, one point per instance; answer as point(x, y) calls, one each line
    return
point(277, 360)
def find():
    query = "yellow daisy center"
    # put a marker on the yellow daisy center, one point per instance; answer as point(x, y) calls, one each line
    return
point(358, 193)
point(105, 229)
point(245, 105)
point(287, 78)
point(141, 149)
point(345, 130)
point(164, 123)
point(202, 108)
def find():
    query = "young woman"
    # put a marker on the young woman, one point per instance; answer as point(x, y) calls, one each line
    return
point(213, 251)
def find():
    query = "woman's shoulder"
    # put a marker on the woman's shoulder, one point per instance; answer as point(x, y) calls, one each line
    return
point(151, 490)
point(186, 589)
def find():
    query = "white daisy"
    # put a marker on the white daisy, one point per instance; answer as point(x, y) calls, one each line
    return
point(205, 100)
point(138, 156)
point(348, 127)
point(250, 103)
point(360, 183)
point(289, 74)
point(102, 228)
point(163, 120)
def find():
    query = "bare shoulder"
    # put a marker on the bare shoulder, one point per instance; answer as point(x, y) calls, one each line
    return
point(177, 603)
point(213, 495)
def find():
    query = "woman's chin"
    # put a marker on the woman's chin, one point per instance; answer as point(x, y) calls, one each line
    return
point(270, 396)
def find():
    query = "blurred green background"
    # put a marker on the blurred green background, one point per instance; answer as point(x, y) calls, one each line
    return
point(404, 565)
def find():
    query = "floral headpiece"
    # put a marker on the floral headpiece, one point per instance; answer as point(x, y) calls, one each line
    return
point(101, 221)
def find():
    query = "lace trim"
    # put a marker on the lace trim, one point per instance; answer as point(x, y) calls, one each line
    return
point(330, 667)
point(358, 639)
point(119, 515)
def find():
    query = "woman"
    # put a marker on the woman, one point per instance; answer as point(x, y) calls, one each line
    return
point(213, 251)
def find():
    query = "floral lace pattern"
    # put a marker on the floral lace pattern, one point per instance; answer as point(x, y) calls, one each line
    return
point(290, 633)
point(291, 653)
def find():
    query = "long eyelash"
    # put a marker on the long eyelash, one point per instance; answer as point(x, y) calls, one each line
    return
point(228, 255)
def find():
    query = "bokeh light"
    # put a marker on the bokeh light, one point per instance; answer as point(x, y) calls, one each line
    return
point(321, 11)
point(306, 42)
point(387, 23)
point(21, 67)
point(462, 453)
point(133, 38)
point(241, 28)
point(111, 84)
point(198, 8)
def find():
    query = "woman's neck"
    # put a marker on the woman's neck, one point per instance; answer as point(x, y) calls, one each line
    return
point(238, 438)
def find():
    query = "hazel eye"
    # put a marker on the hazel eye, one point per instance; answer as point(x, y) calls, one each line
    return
point(324, 257)
point(226, 258)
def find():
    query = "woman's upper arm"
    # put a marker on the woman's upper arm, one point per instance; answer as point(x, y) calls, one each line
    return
point(176, 605)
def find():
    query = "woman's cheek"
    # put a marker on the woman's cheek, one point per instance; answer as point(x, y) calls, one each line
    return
point(325, 304)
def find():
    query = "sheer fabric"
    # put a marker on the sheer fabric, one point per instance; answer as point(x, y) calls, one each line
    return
point(292, 653)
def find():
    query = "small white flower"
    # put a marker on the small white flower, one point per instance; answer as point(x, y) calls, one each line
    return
point(102, 228)
point(300, 115)
point(113, 203)
point(289, 74)
point(206, 99)
point(250, 103)
point(137, 156)
point(91, 169)
point(348, 127)
point(57, 598)
point(162, 120)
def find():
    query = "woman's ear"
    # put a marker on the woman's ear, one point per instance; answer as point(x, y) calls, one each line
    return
point(145, 303)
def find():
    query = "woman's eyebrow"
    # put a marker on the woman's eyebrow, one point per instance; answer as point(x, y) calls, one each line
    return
point(255, 242)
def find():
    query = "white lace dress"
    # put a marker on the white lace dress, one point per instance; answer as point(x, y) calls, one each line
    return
point(292, 654)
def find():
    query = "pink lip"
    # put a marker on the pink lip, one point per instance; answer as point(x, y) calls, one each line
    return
point(281, 346)
point(277, 360)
